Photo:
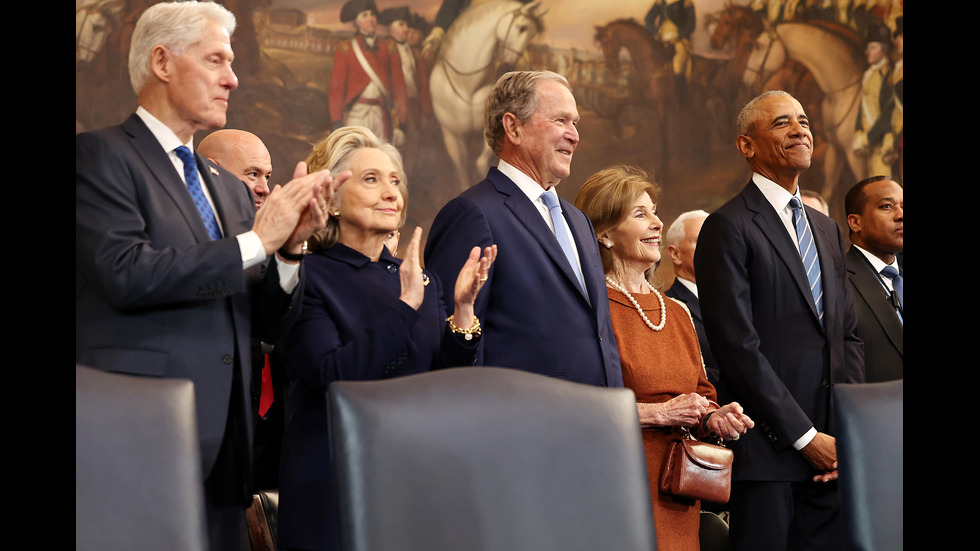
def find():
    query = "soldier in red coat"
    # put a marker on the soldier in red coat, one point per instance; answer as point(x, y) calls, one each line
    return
point(367, 87)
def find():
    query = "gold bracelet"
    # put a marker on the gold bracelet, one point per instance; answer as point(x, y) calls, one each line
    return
point(468, 334)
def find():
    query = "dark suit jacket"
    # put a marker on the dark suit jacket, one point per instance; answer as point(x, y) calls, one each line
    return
point(154, 296)
point(352, 327)
point(679, 292)
point(535, 316)
point(878, 325)
point(774, 356)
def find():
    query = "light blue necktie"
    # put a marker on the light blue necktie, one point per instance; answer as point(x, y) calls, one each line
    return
point(898, 284)
point(197, 194)
point(808, 250)
point(561, 232)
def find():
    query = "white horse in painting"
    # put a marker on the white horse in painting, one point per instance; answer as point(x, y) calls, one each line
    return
point(487, 36)
point(94, 20)
point(837, 67)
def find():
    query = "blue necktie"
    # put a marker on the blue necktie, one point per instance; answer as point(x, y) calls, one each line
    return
point(561, 232)
point(197, 194)
point(811, 263)
point(899, 285)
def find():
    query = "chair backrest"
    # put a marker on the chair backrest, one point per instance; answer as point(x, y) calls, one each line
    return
point(138, 478)
point(869, 453)
point(488, 459)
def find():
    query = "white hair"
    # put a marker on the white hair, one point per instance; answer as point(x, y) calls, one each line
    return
point(174, 25)
point(676, 231)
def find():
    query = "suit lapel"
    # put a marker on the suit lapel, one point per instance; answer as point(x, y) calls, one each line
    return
point(772, 227)
point(222, 196)
point(163, 172)
point(826, 244)
point(685, 295)
point(530, 218)
point(874, 294)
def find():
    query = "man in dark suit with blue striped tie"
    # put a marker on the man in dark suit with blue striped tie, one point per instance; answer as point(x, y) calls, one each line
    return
point(779, 316)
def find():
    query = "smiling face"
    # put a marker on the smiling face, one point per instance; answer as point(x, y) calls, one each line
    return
point(199, 82)
point(779, 143)
point(371, 201)
point(546, 142)
point(636, 240)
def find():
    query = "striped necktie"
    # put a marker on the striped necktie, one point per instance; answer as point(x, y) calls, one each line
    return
point(808, 250)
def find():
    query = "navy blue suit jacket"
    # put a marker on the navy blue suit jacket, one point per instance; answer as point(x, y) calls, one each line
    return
point(534, 313)
point(352, 327)
point(154, 296)
point(774, 356)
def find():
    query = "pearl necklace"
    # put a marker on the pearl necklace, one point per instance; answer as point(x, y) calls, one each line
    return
point(663, 309)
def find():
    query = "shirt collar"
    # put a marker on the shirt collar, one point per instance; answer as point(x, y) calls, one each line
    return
point(690, 285)
point(776, 194)
point(164, 135)
point(876, 262)
point(532, 189)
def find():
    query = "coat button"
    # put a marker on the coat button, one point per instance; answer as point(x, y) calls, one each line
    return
point(227, 358)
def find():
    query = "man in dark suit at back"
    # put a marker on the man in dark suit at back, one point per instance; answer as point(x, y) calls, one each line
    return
point(547, 310)
point(682, 241)
point(876, 219)
point(175, 271)
point(781, 323)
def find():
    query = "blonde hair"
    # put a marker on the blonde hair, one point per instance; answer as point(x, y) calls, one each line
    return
point(334, 153)
point(608, 195)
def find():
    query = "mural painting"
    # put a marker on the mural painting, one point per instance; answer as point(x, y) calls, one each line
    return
point(658, 83)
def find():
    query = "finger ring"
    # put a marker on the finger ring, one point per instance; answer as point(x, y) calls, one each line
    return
point(483, 279)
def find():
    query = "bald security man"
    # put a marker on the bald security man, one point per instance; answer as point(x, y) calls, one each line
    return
point(244, 155)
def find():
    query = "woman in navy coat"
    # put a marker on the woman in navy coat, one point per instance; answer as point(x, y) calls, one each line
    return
point(366, 315)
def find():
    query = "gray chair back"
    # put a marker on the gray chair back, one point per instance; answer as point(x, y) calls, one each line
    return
point(137, 464)
point(488, 459)
point(869, 453)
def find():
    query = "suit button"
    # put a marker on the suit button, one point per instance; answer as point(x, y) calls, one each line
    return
point(825, 383)
point(227, 358)
point(392, 268)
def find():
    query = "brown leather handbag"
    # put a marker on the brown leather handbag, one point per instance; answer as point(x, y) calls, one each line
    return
point(697, 470)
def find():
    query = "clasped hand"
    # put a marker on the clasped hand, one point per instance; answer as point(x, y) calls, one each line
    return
point(292, 212)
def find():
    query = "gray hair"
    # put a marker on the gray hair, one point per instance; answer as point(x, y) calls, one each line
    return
point(745, 123)
point(516, 92)
point(174, 25)
point(676, 232)
point(334, 153)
